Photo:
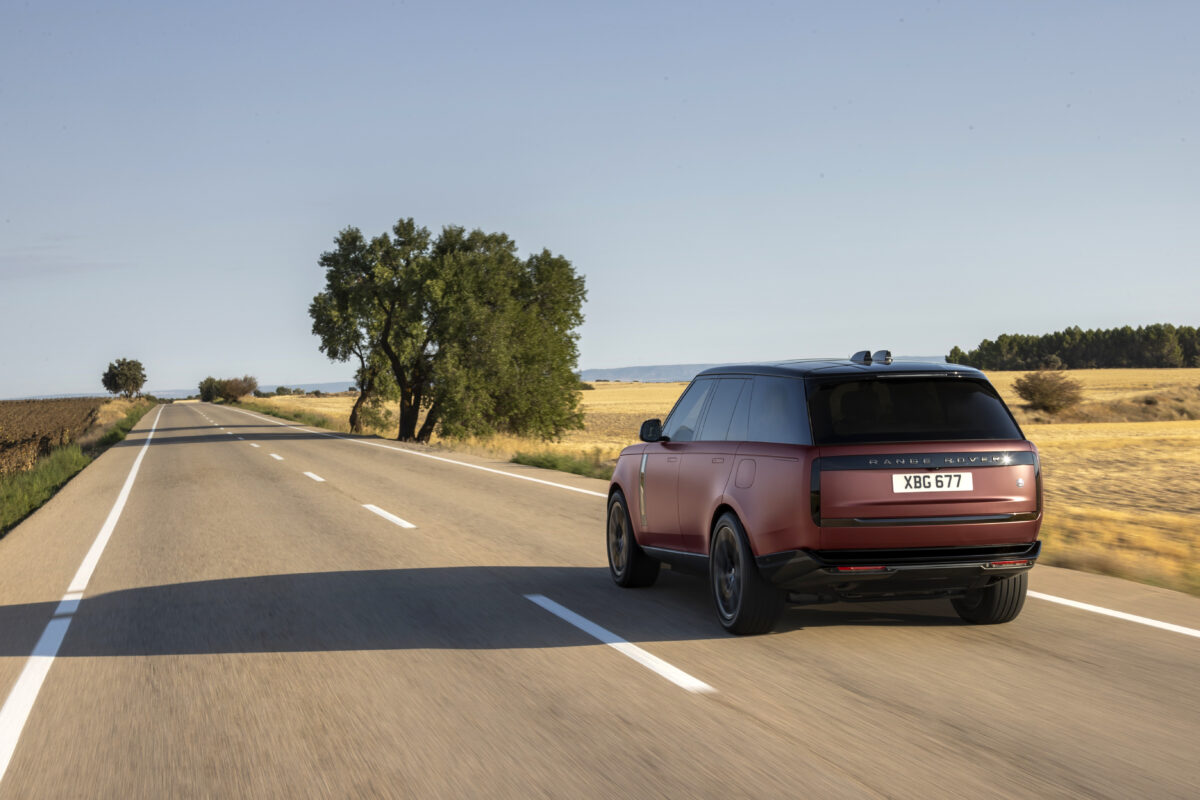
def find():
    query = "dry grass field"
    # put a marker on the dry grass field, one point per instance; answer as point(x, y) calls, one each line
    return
point(1122, 498)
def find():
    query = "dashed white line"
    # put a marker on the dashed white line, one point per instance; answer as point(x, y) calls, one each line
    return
point(240, 439)
point(390, 517)
point(252, 444)
point(1108, 612)
point(316, 478)
point(19, 704)
point(276, 457)
point(647, 660)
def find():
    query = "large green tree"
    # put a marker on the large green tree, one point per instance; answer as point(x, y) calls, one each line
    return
point(125, 376)
point(462, 328)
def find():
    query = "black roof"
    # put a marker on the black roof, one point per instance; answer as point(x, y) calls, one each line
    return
point(831, 366)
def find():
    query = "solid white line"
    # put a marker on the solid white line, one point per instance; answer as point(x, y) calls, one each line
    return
point(388, 516)
point(276, 457)
point(1108, 612)
point(427, 455)
point(651, 662)
point(19, 704)
point(80, 581)
point(316, 478)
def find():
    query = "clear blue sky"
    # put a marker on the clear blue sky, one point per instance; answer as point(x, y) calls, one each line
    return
point(735, 180)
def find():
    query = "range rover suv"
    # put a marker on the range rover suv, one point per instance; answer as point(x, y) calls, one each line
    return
point(864, 479)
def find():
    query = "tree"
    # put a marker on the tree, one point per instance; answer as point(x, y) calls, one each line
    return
point(210, 389)
point(230, 389)
point(227, 389)
point(458, 327)
point(124, 376)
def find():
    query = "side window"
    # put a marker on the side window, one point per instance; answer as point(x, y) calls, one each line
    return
point(720, 410)
point(681, 425)
point(778, 412)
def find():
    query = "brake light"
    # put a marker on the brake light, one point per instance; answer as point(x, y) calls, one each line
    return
point(861, 569)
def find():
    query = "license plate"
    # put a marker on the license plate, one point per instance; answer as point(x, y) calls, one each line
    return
point(932, 482)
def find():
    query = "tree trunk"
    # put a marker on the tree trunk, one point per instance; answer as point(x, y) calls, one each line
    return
point(355, 422)
point(410, 408)
point(430, 421)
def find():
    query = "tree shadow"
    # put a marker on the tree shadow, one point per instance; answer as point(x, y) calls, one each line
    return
point(399, 609)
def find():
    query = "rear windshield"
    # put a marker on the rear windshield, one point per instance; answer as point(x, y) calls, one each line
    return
point(898, 409)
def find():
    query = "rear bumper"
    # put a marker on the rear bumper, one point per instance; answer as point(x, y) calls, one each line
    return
point(817, 576)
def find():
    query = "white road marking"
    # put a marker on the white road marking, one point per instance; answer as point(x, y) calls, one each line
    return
point(240, 439)
point(252, 444)
point(17, 707)
point(1108, 612)
point(276, 457)
point(647, 660)
point(316, 478)
point(388, 516)
point(427, 455)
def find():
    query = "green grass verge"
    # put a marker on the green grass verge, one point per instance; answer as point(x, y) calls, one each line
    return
point(590, 465)
point(303, 417)
point(25, 492)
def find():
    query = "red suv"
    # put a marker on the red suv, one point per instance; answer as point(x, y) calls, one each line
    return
point(821, 481)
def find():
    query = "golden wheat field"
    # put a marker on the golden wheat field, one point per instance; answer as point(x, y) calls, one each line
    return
point(1122, 498)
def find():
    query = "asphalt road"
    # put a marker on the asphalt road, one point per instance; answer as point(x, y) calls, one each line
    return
point(251, 631)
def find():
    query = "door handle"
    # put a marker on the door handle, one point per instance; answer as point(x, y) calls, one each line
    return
point(718, 461)
point(672, 458)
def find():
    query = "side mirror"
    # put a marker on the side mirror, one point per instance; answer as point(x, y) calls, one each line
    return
point(651, 431)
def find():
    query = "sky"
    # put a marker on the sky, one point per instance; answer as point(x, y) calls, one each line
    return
point(736, 181)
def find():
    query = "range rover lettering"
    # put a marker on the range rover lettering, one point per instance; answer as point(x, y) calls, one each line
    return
point(817, 481)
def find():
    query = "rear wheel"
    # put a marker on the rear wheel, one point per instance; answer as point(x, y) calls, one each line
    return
point(746, 603)
point(999, 602)
point(627, 563)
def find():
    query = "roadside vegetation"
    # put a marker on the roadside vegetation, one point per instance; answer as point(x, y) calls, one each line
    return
point(312, 419)
point(592, 465)
point(63, 453)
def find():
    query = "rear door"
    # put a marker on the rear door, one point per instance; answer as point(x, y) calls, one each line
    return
point(706, 464)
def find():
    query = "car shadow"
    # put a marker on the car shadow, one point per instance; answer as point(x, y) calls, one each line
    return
point(396, 609)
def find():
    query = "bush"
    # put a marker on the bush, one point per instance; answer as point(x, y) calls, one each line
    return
point(1049, 390)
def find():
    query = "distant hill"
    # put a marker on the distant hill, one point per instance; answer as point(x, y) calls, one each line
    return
point(662, 373)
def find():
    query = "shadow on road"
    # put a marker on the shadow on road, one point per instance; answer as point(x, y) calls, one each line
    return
point(396, 609)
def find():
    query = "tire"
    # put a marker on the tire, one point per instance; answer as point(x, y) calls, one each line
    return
point(628, 564)
point(745, 602)
point(999, 602)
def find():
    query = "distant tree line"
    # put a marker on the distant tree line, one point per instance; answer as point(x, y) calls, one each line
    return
point(227, 389)
point(1075, 348)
